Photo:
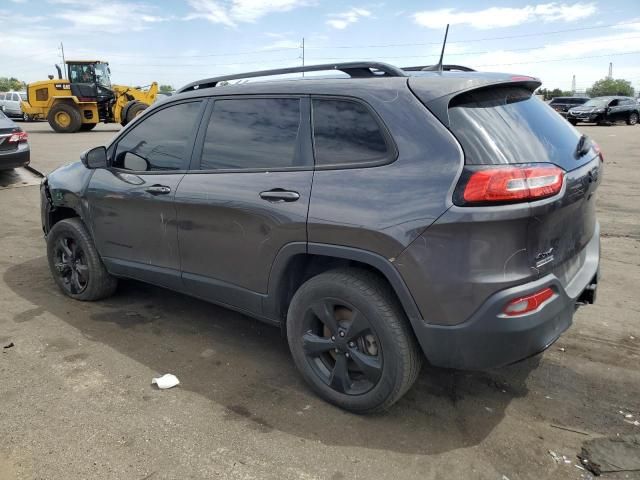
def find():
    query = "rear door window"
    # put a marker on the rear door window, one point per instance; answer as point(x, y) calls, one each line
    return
point(253, 133)
point(508, 125)
point(346, 133)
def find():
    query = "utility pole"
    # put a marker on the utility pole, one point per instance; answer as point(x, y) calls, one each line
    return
point(302, 54)
point(64, 68)
point(610, 70)
point(573, 85)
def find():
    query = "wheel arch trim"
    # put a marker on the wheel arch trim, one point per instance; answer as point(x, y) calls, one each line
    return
point(381, 264)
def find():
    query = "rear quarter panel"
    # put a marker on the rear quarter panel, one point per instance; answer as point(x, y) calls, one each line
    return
point(384, 208)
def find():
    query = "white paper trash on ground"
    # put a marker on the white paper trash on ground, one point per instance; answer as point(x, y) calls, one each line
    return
point(166, 381)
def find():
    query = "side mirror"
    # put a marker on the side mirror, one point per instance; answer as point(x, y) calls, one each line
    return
point(95, 158)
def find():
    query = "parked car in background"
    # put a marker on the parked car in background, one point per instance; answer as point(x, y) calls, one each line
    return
point(14, 147)
point(10, 104)
point(606, 110)
point(563, 104)
point(377, 220)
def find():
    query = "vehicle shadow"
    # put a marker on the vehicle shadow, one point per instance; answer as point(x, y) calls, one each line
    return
point(245, 366)
point(17, 177)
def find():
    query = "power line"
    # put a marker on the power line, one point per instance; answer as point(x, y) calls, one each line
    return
point(389, 45)
point(560, 59)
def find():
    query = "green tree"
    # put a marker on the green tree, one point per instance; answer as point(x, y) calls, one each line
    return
point(11, 83)
point(549, 94)
point(610, 86)
point(166, 89)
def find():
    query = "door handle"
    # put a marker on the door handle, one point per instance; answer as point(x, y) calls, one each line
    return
point(279, 195)
point(158, 190)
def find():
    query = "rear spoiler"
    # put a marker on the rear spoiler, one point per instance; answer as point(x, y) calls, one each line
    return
point(436, 97)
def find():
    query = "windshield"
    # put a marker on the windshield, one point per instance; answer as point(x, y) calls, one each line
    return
point(102, 75)
point(597, 102)
point(23, 96)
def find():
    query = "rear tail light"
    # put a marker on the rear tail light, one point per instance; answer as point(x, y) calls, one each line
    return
point(597, 149)
point(528, 304)
point(18, 137)
point(508, 184)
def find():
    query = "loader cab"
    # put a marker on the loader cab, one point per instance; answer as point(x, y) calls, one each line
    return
point(89, 72)
point(91, 82)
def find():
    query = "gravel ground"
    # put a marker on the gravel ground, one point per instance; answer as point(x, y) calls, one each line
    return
point(76, 399)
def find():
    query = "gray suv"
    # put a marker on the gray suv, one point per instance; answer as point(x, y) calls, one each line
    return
point(379, 218)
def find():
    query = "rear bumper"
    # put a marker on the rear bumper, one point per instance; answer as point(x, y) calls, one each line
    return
point(488, 339)
point(15, 158)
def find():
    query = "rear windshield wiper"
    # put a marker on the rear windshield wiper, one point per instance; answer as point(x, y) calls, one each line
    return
point(583, 147)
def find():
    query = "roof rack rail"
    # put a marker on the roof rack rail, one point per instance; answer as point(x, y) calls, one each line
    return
point(354, 69)
point(436, 68)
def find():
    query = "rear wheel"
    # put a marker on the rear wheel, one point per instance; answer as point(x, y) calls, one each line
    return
point(26, 117)
point(632, 119)
point(64, 118)
point(85, 127)
point(351, 341)
point(75, 264)
point(134, 110)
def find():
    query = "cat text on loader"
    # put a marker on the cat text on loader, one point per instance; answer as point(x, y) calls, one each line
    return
point(85, 98)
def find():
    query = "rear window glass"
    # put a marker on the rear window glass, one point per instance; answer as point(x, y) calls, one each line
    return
point(509, 124)
point(346, 133)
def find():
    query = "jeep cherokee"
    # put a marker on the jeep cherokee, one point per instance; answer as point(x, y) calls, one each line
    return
point(379, 217)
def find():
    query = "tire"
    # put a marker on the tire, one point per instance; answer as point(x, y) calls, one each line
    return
point(64, 118)
point(26, 117)
point(85, 127)
point(349, 321)
point(75, 264)
point(134, 110)
point(573, 122)
point(632, 119)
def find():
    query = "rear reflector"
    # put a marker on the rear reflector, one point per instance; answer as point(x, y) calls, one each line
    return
point(530, 303)
point(512, 184)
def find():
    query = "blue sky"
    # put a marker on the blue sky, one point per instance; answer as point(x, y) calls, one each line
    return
point(176, 42)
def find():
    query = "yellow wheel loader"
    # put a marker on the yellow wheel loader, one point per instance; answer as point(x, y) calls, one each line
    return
point(85, 98)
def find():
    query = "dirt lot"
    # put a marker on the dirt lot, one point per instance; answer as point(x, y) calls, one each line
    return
point(76, 400)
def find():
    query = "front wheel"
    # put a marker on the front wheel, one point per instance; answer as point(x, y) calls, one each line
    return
point(632, 119)
point(351, 341)
point(573, 122)
point(75, 264)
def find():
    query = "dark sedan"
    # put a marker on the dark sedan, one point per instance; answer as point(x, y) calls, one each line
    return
point(14, 147)
point(563, 104)
point(606, 110)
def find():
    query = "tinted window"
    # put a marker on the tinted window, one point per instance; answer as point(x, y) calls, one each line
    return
point(16, 98)
point(252, 133)
point(509, 125)
point(23, 96)
point(1, 96)
point(161, 139)
point(346, 132)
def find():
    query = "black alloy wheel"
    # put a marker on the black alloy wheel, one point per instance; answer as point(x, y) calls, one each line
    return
point(342, 347)
point(71, 265)
point(75, 263)
point(351, 340)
